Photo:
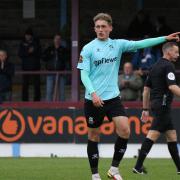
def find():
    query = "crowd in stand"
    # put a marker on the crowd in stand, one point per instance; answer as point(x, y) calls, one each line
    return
point(55, 58)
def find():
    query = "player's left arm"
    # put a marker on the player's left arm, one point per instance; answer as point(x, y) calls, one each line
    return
point(155, 41)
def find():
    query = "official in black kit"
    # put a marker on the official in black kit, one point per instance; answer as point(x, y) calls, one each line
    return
point(159, 89)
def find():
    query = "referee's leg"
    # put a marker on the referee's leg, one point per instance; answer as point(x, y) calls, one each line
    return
point(171, 138)
point(151, 137)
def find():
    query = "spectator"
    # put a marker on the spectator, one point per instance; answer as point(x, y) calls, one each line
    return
point(55, 58)
point(30, 52)
point(140, 26)
point(142, 61)
point(161, 29)
point(6, 73)
point(129, 83)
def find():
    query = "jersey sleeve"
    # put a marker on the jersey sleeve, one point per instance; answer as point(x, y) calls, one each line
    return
point(170, 75)
point(84, 59)
point(127, 46)
point(148, 82)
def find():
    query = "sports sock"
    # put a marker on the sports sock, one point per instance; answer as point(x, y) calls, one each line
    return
point(172, 146)
point(93, 156)
point(119, 150)
point(145, 148)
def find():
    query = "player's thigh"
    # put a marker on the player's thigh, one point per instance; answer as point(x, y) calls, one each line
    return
point(94, 115)
point(94, 134)
point(153, 135)
point(171, 135)
point(122, 126)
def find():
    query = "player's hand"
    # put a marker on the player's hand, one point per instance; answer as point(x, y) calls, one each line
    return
point(97, 100)
point(145, 116)
point(174, 36)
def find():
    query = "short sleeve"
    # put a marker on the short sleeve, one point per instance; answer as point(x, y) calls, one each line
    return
point(148, 82)
point(170, 75)
point(84, 59)
point(127, 46)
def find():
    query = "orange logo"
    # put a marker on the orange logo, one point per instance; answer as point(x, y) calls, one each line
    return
point(12, 125)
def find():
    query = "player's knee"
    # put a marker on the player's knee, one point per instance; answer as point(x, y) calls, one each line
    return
point(123, 132)
point(93, 136)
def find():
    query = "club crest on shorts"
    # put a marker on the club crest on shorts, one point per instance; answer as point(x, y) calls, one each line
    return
point(91, 120)
point(171, 76)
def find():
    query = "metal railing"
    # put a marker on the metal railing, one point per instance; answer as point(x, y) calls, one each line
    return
point(44, 72)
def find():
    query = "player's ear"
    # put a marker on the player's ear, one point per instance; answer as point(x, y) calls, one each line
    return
point(111, 28)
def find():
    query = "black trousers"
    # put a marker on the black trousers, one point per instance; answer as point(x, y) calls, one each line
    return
point(27, 79)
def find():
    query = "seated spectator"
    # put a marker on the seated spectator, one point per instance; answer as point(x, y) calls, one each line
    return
point(30, 52)
point(6, 73)
point(142, 61)
point(55, 57)
point(130, 84)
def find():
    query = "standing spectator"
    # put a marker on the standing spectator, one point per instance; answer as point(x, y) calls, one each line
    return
point(140, 26)
point(30, 52)
point(55, 59)
point(6, 73)
point(161, 28)
point(130, 84)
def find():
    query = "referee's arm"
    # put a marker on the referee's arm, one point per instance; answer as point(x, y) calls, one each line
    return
point(146, 98)
point(175, 89)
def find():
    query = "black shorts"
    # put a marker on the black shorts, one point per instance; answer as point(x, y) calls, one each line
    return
point(95, 115)
point(162, 121)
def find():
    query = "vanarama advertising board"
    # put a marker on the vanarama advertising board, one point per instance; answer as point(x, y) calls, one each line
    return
point(35, 125)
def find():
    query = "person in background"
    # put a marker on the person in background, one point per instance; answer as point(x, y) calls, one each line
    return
point(30, 53)
point(142, 61)
point(130, 84)
point(6, 74)
point(55, 57)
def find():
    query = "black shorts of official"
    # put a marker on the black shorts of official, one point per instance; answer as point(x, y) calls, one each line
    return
point(95, 115)
point(162, 120)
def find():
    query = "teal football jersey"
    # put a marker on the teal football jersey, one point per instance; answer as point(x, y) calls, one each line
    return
point(102, 60)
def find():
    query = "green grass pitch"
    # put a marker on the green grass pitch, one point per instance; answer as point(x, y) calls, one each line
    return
point(78, 169)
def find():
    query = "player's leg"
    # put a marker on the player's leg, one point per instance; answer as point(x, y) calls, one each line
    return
point(116, 113)
point(92, 151)
point(123, 132)
point(94, 119)
point(171, 137)
point(151, 137)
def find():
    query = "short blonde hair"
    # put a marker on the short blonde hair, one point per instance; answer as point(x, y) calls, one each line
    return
point(103, 16)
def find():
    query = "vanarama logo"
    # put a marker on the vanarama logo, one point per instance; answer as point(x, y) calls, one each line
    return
point(12, 125)
point(16, 125)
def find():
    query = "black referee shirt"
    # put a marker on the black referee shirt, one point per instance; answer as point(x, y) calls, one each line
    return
point(161, 75)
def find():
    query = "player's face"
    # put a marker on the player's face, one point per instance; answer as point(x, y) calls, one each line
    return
point(102, 29)
point(174, 53)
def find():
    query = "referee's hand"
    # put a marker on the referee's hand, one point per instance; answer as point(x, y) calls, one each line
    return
point(97, 100)
point(174, 36)
point(145, 116)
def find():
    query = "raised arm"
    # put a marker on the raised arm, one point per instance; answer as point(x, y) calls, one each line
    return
point(155, 41)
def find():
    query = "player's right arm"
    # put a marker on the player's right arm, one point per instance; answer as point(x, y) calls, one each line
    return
point(84, 66)
point(89, 87)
